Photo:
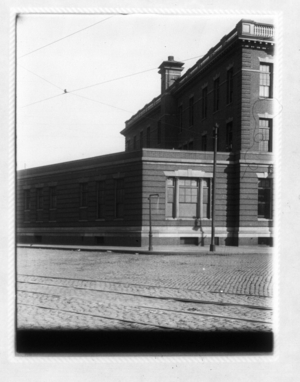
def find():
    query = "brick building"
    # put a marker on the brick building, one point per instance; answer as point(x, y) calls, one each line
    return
point(169, 152)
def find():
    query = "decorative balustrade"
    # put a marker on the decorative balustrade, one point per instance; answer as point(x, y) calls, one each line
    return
point(263, 31)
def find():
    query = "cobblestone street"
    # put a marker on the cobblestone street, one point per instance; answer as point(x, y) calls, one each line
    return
point(67, 289)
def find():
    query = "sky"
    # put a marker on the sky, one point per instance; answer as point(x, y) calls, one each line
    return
point(80, 77)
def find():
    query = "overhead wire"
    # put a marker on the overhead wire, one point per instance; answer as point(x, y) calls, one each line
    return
point(60, 39)
point(126, 76)
point(96, 84)
point(42, 100)
point(111, 80)
point(128, 111)
point(42, 78)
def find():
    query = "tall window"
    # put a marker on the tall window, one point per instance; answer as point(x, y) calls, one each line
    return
point(188, 198)
point(191, 111)
point(205, 212)
point(216, 94)
point(39, 199)
point(26, 200)
point(229, 85)
point(204, 142)
point(141, 139)
point(264, 198)
point(100, 200)
point(83, 194)
point(134, 142)
point(265, 80)
point(204, 102)
point(119, 198)
point(180, 113)
point(265, 135)
point(229, 136)
point(127, 145)
point(158, 132)
point(170, 205)
point(53, 198)
point(148, 137)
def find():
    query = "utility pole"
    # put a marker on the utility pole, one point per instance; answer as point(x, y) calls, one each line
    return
point(150, 220)
point(212, 244)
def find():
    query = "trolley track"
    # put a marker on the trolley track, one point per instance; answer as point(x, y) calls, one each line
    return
point(194, 301)
point(138, 309)
point(173, 298)
point(149, 308)
point(105, 317)
point(127, 284)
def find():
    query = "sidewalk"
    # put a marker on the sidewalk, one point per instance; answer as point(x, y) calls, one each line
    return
point(159, 249)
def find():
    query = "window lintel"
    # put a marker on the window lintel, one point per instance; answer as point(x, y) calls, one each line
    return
point(265, 115)
point(266, 60)
point(188, 174)
point(264, 175)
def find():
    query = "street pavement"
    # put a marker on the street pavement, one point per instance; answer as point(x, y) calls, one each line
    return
point(72, 289)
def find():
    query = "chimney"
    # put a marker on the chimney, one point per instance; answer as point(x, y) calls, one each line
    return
point(170, 70)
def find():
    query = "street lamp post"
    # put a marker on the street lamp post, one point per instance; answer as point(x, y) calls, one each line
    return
point(212, 244)
point(150, 220)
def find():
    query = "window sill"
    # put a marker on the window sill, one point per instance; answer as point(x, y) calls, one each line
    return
point(264, 219)
point(118, 218)
point(188, 219)
point(100, 220)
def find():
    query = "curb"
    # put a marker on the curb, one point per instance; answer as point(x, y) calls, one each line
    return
point(143, 251)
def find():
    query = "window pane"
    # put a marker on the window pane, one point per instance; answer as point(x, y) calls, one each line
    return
point(169, 211)
point(188, 198)
point(170, 195)
point(264, 198)
point(205, 211)
point(265, 80)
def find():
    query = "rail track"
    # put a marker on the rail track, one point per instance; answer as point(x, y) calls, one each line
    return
point(49, 301)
